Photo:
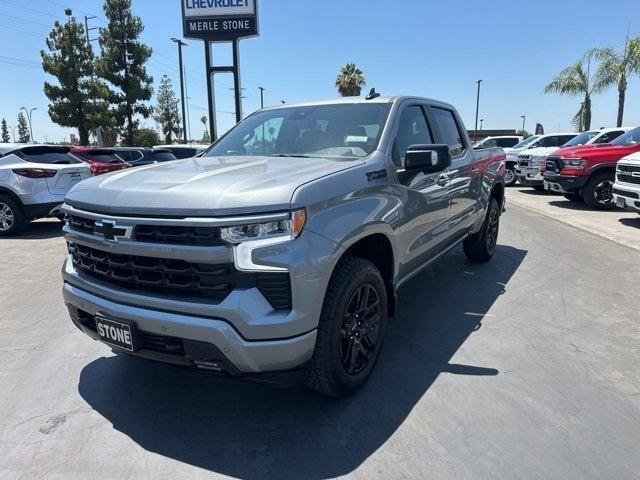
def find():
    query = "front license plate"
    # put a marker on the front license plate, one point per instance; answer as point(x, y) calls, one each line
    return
point(114, 333)
point(620, 202)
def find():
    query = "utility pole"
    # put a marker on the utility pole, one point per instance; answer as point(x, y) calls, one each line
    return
point(184, 117)
point(261, 97)
point(29, 112)
point(523, 117)
point(475, 130)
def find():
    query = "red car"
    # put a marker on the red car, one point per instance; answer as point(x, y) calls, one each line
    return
point(587, 173)
point(101, 160)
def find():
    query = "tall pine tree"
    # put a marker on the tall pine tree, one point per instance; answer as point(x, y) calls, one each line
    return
point(166, 111)
point(23, 129)
point(5, 132)
point(78, 100)
point(122, 65)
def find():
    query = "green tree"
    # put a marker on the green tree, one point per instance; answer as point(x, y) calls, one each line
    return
point(206, 138)
point(77, 100)
point(615, 68)
point(575, 80)
point(145, 137)
point(523, 133)
point(23, 129)
point(166, 111)
point(122, 65)
point(350, 80)
point(5, 132)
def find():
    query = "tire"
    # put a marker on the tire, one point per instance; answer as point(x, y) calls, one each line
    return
point(574, 197)
point(509, 177)
point(12, 219)
point(341, 361)
point(598, 192)
point(481, 246)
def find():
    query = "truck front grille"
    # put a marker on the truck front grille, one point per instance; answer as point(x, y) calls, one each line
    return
point(553, 164)
point(625, 174)
point(177, 278)
point(154, 275)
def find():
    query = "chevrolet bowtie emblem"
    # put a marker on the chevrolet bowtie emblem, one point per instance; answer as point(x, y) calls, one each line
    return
point(111, 231)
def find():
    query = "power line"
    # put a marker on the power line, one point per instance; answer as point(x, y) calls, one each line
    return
point(32, 9)
point(78, 9)
point(28, 21)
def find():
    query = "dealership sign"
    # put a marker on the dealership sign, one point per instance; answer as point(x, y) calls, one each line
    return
point(219, 20)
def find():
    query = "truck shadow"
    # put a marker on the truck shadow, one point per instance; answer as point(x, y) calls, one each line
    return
point(249, 430)
point(630, 222)
point(39, 230)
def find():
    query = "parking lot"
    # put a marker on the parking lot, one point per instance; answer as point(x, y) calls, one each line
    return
point(526, 366)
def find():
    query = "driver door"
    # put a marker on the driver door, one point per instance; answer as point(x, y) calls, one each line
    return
point(425, 211)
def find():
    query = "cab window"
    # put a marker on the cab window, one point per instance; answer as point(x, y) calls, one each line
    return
point(449, 130)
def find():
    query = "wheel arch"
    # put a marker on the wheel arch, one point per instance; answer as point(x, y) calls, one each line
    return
point(377, 248)
point(4, 191)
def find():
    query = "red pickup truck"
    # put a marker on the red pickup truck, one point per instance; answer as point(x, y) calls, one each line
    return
point(587, 173)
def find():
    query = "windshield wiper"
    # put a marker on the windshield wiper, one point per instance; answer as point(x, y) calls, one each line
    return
point(294, 155)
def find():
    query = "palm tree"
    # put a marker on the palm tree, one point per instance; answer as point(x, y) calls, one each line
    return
point(350, 80)
point(575, 80)
point(616, 66)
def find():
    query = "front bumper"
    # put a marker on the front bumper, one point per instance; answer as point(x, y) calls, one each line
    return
point(529, 175)
point(210, 341)
point(563, 183)
point(626, 197)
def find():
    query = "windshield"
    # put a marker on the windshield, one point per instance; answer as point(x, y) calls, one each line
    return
point(526, 141)
point(332, 131)
point(630, 138)
point(581, 139)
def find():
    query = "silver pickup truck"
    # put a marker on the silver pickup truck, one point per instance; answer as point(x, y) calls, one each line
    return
point(283, 247)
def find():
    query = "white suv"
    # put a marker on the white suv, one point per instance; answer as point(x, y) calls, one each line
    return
point(33, 182)
point(626, 189)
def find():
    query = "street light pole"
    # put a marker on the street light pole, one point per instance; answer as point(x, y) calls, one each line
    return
point(523, 117)
point(261, 97)
point(481, 121)
point(184, 120)
point(29, 113)
point(475, 130)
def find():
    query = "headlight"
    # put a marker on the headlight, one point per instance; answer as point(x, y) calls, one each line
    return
point(574, 162)
point(284, 229)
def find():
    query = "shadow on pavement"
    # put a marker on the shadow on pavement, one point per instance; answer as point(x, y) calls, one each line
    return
point(40, 230)
point(580, 207)
point(538, 193)
point(255, 431)
point(630, 222)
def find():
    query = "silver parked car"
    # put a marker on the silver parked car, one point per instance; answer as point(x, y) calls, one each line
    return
point(33, 182)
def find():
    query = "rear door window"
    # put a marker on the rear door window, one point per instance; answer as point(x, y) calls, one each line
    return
point(449, 130)
point(51, 158)
point(163, 156)
point(507, 142)
point(609, 136)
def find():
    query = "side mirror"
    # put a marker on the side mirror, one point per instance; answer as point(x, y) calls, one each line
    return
point(427, 158)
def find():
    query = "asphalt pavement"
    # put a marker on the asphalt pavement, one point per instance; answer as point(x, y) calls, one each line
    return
point(525, 367)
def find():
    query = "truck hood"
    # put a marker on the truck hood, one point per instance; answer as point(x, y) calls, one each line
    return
point(602, 150)
point(204, 186)
point(539, 151)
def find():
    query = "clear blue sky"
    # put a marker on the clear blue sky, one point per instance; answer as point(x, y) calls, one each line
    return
point(431, 48)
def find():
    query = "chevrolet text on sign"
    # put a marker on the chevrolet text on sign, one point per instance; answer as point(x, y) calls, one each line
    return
point(219, 20)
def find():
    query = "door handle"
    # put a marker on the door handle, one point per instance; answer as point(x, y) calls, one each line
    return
point(443, 180)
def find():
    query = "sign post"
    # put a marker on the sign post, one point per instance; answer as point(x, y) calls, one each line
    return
point(220, 21)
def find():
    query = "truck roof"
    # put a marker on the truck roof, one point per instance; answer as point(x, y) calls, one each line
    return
point(352, 100)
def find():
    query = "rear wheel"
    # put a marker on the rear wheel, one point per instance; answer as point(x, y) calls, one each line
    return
point(351, 329)
point(598, 192)
point(509, 177)
point(574, 197)
point(12, 220)
point(481, 246)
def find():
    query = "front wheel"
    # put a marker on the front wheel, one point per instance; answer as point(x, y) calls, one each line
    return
point(598, 192)
point(481, 246)
point(351, 329)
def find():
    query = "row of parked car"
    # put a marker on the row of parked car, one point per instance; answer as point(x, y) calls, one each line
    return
point(35, 178)
point(598, 167)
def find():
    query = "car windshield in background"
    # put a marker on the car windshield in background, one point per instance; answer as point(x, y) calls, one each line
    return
point(163, 156)
point(102, 157)
point(334, 131)
point(581, 139)
point(630, 138)
point(49, 156)
point(525, 142)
